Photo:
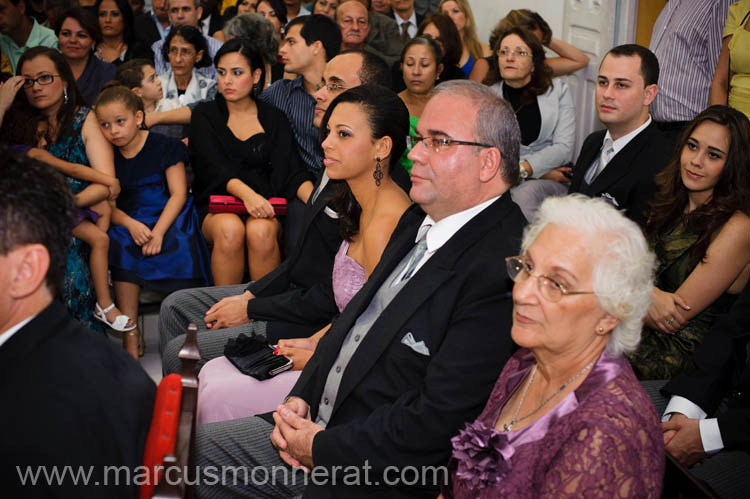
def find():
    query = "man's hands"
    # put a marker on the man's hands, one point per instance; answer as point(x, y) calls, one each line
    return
point(682, 439)
point(559, 174)
point(294, 433)
point(229, 312)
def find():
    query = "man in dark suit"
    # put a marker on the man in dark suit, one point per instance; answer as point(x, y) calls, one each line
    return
point(154, 25)
point(293, 301)
point(417, 351)
point(406, 17)
point(619, 163)
point(719, 387)
point(70, 397)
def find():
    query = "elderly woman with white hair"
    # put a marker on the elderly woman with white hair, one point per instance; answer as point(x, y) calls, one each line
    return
point(567, 417)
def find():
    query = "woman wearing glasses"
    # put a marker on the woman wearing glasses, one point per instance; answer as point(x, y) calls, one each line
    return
point(544, 109)
point(185, 49)
point(567, 416)
point(51, 99)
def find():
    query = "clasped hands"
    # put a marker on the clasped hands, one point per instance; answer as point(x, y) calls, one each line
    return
point(682, 439)
point(667, 311)
point(149, 240)
point(294, 433)
point(229, 312)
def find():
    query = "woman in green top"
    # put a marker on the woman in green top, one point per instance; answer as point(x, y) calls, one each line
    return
point(421, 67)
point(700, 230)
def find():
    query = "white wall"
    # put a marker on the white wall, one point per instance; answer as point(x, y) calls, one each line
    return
point(488, 12)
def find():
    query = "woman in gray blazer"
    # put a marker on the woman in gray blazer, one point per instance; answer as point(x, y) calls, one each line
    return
point(544, 109)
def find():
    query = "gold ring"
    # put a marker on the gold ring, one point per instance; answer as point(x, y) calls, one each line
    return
point(670, 321)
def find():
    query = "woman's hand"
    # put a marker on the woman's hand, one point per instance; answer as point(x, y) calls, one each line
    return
point(8, 91)
point(153, 247)
point(299, 350)
point(139, 232)
point(258, 207)
point(665, 312)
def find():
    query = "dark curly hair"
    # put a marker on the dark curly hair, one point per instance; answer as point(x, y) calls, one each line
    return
point(388, 117)
point(541, 77)
point(730, 194)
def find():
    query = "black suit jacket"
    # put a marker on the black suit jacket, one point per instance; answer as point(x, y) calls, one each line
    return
point(628, 179)
point(721, 371)
point(70, 396)
point(296, 297)
point(146, 30)
point(395, 406)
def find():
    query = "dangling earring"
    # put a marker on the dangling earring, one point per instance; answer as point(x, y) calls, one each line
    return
point(65, 95)
point(378, 173)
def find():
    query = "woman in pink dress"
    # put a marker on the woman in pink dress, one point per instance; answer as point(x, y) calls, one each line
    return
point(365, 130)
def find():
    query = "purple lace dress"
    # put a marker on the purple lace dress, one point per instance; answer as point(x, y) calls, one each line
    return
point(602, 440)
point(225, 393)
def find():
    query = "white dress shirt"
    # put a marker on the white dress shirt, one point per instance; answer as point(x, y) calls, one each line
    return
point(412, 29)
point(709, 428)
point(617, 146)
point(442, 231)
point(5, 336)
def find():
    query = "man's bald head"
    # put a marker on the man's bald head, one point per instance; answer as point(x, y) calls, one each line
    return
point(353, 19)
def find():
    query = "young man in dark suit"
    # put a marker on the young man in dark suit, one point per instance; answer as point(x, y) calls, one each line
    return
point(417, 351)
point(619, 163)
point(707, 419)
point(70, 398)
point(406, 17)
point(154, 25)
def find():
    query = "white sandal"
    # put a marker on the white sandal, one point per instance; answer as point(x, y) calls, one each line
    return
point(120, 321)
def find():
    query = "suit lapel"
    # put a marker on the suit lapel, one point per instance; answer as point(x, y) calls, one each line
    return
point(591, 147)
point(430, 277)
point(622, 163)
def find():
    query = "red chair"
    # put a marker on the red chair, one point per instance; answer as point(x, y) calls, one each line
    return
point(169, 447)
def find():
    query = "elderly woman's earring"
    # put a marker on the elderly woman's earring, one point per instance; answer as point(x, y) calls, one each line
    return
point(378, 173)
point(65, 95)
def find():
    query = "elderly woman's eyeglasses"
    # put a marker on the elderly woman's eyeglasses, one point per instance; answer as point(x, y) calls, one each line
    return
point(514, 53)
point(42, 80)
point(438, 144)
point(519, 270)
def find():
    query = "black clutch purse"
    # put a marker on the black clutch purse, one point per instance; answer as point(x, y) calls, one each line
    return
point(254, 357)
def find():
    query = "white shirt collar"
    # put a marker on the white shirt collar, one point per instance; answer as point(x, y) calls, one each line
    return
point(619, 144)
point(412, 19)
point(5, 336)
point(442, 231)
point(204, 24)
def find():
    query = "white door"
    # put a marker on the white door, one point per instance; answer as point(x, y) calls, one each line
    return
point(594, 26)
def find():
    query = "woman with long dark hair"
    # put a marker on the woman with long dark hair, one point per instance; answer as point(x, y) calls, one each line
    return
point(118, 43)
point(700, 230)
point(242, 147)
point(364, 132)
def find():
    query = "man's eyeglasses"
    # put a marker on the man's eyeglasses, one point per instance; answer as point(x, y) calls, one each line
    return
point(332, 87)
point(42, 80)
point(516, 53)
point(439, 144)
point(519, 270)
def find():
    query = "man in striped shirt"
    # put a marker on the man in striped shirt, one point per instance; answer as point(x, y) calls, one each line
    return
point(309, 43)
point(686, 39)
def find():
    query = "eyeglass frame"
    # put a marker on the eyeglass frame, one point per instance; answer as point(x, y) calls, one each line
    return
point(413, 141)
point(516, 53)
point(38, 79)
point(539, 277)
point(336, 87)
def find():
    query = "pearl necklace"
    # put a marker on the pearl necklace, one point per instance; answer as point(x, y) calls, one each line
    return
point(516, 419)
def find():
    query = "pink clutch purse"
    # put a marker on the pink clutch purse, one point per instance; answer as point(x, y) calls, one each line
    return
point(230, 204)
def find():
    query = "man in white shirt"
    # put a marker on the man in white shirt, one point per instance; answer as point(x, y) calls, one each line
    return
point(406, 17)
point(707, 419)
point(386, 387)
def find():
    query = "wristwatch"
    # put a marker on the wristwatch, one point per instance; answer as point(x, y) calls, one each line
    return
point(524, 174)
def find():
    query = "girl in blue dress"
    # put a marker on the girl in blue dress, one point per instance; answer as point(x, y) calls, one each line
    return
point(155, 240)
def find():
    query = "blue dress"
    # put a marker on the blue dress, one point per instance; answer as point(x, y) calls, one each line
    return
point(77, 291)
point(183, 261)
point(466, 68)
